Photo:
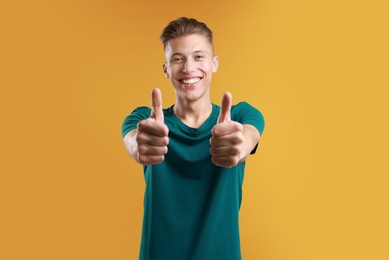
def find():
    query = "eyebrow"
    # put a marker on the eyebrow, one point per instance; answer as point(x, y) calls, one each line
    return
point(199, 51)
point(195, 52)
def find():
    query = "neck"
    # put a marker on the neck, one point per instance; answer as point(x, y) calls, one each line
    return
point(193, 114)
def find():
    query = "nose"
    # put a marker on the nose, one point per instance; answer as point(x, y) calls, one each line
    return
point(189, 66)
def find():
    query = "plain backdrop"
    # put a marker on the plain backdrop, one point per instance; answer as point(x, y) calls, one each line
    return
point(316, 189)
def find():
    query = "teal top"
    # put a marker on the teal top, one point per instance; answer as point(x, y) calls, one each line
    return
point(191, 206)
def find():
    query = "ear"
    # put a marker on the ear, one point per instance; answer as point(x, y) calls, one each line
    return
point(164, 67)
point(215, 63)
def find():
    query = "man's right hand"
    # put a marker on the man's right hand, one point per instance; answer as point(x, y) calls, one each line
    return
point(152, 134)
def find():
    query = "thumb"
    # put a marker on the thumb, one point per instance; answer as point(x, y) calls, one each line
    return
point(156, 103)
point(225, 108)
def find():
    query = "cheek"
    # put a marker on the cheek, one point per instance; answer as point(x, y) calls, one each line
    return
point(175, 69)
point(206, 67)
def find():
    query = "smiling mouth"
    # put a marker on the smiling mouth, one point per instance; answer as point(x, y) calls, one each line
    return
point(190, 81)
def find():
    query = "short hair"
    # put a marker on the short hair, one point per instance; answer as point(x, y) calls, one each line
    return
point(185, 26)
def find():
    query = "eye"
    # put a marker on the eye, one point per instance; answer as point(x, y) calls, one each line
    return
point(199, 57)
point(176, 59)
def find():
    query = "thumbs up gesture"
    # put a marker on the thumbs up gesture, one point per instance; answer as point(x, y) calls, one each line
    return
point(152, 137)
point(227, 137)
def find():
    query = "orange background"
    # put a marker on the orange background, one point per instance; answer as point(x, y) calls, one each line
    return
point(72, 70)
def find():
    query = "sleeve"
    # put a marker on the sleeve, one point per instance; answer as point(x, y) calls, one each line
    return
point(244, 113)
point(132, 120)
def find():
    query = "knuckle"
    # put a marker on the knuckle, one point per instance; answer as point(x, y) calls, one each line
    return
point(145, 124)
point(143, 159)
point(232, 161)
point(235, 160)
point(166, 130)
point(165, 141)
point(215, 161)
point(147, 160)
point(215, 130)
point(142, 149)
point(142, 124)
point(229, 161)
point(237, 138)
point(238, 126)
point(235, 150)
point(212, 141)
point(140, 138)
point(159, 159)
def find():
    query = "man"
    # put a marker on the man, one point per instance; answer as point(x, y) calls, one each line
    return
point(193, 155)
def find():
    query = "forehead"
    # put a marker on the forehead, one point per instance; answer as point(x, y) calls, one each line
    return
point(188, 44)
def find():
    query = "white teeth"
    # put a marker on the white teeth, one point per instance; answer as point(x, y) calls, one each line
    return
point(190, 81)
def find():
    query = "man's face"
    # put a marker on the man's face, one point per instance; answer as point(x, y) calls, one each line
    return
point(189, 64)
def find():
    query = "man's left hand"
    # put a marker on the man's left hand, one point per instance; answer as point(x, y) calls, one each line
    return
point(227, 137)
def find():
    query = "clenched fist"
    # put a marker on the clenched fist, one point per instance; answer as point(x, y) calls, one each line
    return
point(227, 137)
point(152, 134)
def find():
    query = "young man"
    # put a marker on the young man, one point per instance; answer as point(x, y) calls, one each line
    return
point(193, 155)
